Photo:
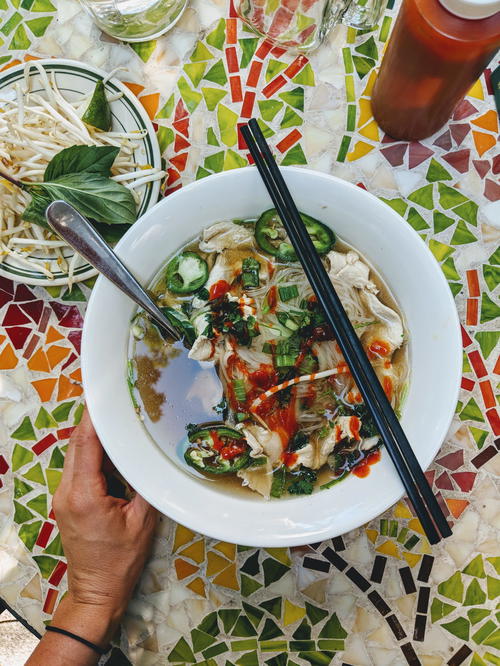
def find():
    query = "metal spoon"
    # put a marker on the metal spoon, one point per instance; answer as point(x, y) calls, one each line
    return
point(82, 237)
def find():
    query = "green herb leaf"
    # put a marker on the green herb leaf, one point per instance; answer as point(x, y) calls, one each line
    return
point(81, 159)
point(98, 113)
point(279, 479)
point(35, 210)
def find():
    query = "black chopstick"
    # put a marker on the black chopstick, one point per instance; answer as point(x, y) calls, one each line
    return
point(399, 448)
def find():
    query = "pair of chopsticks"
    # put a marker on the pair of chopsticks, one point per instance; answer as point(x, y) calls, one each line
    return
point(420, 493)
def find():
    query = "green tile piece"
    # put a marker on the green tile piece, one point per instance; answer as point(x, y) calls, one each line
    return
point(495, 562)
point(344, 147)
point(475, 615)
point(201, 53)
point(493, 586)
point(182, 653)
point(402, 535)
point(305, 77)
point(363, 65)
point(459, 406)
point(278, 660)
point(215, 650)
point(441, 221)
point(201, 640)
point(439, 609)
point(215, 162)
point(302, 646)
point(24, 432)
point(270, 631)
point(449, 197)
point(351, 118)
point(43, 6)
point(423, 197)
point(39, 504)
point(317, 658)
point(416, 220)
point(28, 533)
point(274, 606)
point(55, 546)
point(233, 161)
point(243, 627)
point(209, 624)
point(332, 628)
point(331, 644)
point(227, 120)
point(195, 71)
point(479, 436)
point(314, 613)
point(46, 564)
point(273, 570)
point(20, 457)
point(274, 67)
point(303, 631)
point(245, 644)
point(56, 459)
point(167, 108)
point(477, 661)
point(449, 270)
point(216, 73)
point(294, 156)
point(39, 26)
point(61, 412)
point(165, 136)
point(399, 205)
point(228, 617)
point(474, 596)
point(492, 659)
point(440, 250)
point(290, 119)
point(53, 479)
point(493, 640)
point(368, 48)
point(269, 108)
point(21, 488)
point(253, 613)
point(436, 172)
point(455, 287)
point(467, 211)
point(475, 567)
point(462, 235)
point(294, 98)
point(453, 588)
point(25, 4)
point(11, 23)
point(273, 646)
point(347, 57)
point(483, 632)
point(471, 411)
point(217, 37)
point(384, 30)
point(212, 97)
point(384, 527)
point(495, 257)
point(248, 659)
point(190, 97)
point(266, 130)
point(248, 46)
point(44, 419)
point(54, 291)
point(459, 628)
point(491, 276)
point(251, 564)
point(144, 49)
point(21, 513)
point(489, 309)
point(466, 366)
point(34, 473)
point(202, 173)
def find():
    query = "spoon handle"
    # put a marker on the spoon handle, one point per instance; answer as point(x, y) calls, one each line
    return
point(67, 222)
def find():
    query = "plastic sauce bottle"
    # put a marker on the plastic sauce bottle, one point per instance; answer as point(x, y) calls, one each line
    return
point(437, 50)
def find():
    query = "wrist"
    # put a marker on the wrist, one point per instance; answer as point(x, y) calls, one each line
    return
point(95, 622)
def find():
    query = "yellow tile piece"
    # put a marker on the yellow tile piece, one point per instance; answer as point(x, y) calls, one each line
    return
point(182, 537)
point(215, 563)
point(476, 90)
point(389, 548)
point(412, 558)
point(184, 569)
point(425, 547)
point(360, 150)
point(416, 526)
point(367, 92)
point(196, 551)
point(227, 549)
point(227, 578)
point(198, 586)
point(292, 613)
point(402, 511)
point(365, 111)
point(372, 535)
point(280, 554)
point(370, 131)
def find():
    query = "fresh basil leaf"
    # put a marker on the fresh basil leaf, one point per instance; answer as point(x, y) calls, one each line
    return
point(35, 211)
point(111, 232)
point(80, 159)
point(94, 196)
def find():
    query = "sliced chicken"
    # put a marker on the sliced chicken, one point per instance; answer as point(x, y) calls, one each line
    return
point(223, 235)
point(202, 349)
point(263, 442)
point(350, 270)
point(383, 338)
point(258, 478)
point(314, 454)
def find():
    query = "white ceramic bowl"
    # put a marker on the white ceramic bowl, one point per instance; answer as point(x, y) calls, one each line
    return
point(414, 278)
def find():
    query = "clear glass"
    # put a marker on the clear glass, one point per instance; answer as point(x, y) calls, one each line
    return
point(135, 20)
point(303, 24)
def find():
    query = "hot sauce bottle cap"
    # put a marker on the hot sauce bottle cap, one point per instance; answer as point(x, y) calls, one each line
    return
point(472, 9)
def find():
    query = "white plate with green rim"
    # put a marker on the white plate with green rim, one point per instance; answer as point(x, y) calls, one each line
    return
point(76, 81)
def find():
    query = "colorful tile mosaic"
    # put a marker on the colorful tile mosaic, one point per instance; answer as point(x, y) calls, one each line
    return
point(380, 594)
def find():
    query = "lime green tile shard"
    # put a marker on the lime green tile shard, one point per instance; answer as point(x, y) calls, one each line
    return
point(166, 110)
point(217, 37)
point(449, 269)
point(56, 459)
point(39, 26)
point(471, 412)
point(455, 288)
point(416, 220)
point(423, 197)
point(440, 609)
point(462, 235)
point(4, 5)
point(477, 661)
point(397, 204)
point(61, 412)
point(216, 74)
point(495, 562)
point(449, 197)
point(248, 659)
point(294, 98)
point(489, 309)
point(190, 97)
point(274, 606)
point(453, 588)
point(493, 587)
point(77, 416)
point(492, 659)
point(195, 71)
point(440, 250)
point(315, 658)
point(211, 138)
point(213, 96)
point(229, 617)
point(491, 276)
point(249, 585)
point(182, 653)
point(201, 53)
point(479, 436)
point(201, 173)
point(441, 221)
point(43, 6)
point(165, 136)
point(459, 628)
point(46, 564)
point(368, 48)
point(34, 473)
point(474, 596)
point(53, 479)
point(201, 640)
point(233, 160)
point(269, 108)
point(290, 119)
point(495, 257)
point(475, 615)
point(466, 366)
point(11, 23)
point(55, 546)
point(21, 513)
point(28, 533)
point(475, 567)
point(294, 156)
point(39, 504)
point(144, 49)
point(483, 632)
point(214, 162)
point(332, 628)
point(273, 68)
point(362, 65)
point(266, 130)
point(436, 172)
point(248, 47)
point(493, 640)
point(305, 77)
point(209, 624)
point(21, 487)
point(243, 628)
point(25, 431)
point(74, 294)
point(20, 457)
point(467, 211)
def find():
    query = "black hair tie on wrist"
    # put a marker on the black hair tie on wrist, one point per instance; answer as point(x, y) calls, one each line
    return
point(100, 651)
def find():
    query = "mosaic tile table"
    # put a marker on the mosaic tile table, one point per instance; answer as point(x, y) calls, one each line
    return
point(379, 595)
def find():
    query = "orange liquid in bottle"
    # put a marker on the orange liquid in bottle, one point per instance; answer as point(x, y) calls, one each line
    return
point(432, 59)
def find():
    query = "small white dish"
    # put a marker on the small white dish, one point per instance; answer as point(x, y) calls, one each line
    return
point(414, 278)
point(76, 81)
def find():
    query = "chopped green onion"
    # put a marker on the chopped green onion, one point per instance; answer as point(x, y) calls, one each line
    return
point(250, 272)
point(268, 348)
point(242, 416)
point(285, 360)
point(279, 480)
point(239, 390)
point(287, 293)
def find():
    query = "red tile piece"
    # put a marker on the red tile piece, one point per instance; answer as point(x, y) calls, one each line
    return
point(482, 167)
point(4, 298)
point(23, 294)
point(429, 475)
point(52, 515)
point(465, 480)
point(232, 10)
point(182, 126)
point(231, 31)
point(247, 106)
point(180, 143)
point(281, 20)
point(45, 319)
point(496, 369)
point(15, 316)
point(232, 60)
point(254, 73)
point(58, 573)
point(75, 337)
point(172, 176)
point(7, 285)
point(459, 159)
point(278, 51)
point(180, 111)
point(494, 420)
point(464, 109)
point(488, 395)
point(443, 141)
point(70, 360)
point(361, 185)
point(467, 384)
point(477, 364)
point(263, 49)
point(273, 86)
point(30, 347)
point(395, 154)
point(69, 315)
point(33, 309)
point(242, 145)
point(295, 67)
point(491, 190)
point(496, 164)
point(18, 335)
point(288, 141)
point(483, 457)
point(472, 312)
point(452, 460)
point(443, 482)
point(235, 86)
point(459, 132)
point(466, 340)
point(65, 433)
point(418, 153)
point(50, 601)
point(473, 283)
point(388, 139)
point(44, 534)
point(171, 190)
point(442, 504)
point(44, 444)
point(487, 80)
point(4, 466)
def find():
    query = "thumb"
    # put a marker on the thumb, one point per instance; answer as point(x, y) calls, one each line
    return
point(142, 510)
